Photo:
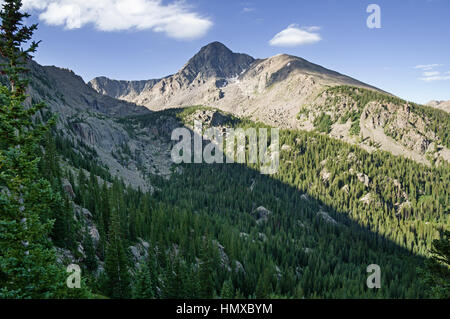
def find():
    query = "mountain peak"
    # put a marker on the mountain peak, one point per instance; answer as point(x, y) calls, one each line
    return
point(214, 46)
point(216, 60)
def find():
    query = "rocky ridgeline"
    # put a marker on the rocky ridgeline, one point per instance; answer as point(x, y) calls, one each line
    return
point(269, 90)
point(89, 120)
point(274, 90)
point(374, 121)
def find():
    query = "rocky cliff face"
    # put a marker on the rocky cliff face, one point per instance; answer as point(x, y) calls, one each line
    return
point(377, 121)
point(92, 122)
point(69, 89)
point(215, 61)
point(124, 90)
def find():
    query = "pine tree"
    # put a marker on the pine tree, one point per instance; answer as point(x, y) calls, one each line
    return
point(116, 263)
point(27, 262)
point(105, 207)
point(152, 266)
point(227, 291)
point(176, 285)
point(206, 273)
point(436, 274)
point(82, 195)
point(263, 287)
point(143, 287)
point(90, 260)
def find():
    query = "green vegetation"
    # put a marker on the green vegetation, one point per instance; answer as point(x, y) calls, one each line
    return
point(436, 274)
point(30, 209)
point(303, 111)
point(206, 233)
point(355, 129)
point(438, 121)
point(323, 123)
point(295, 253)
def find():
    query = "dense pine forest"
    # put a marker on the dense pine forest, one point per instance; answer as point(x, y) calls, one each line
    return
point(226, 230)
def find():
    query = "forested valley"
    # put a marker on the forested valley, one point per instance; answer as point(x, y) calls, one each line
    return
point(225, 230)
point(74, 194)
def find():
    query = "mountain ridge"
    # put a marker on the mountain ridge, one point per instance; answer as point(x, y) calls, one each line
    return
point(292, 93)
point(213, 61)
point(235, 83)
point(90, 124)
point(441, 105)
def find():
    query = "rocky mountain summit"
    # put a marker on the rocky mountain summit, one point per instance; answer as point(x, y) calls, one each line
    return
point(215, 60)
point(233, 82)
point(212, 61)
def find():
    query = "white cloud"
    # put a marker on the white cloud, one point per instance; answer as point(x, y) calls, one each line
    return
point(435, 78)
point(431, 73)
point(293, 35)
point(427, 67)
point(246, 10)
point(177, 20)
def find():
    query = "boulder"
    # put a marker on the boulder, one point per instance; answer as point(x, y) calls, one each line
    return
point(238, 267)
point(139, 251)
point(95, 235)
point(86, 213)
point(327, 218)
point(262, 214)
point(68, 189)
point(367, 199)
point(363, 178)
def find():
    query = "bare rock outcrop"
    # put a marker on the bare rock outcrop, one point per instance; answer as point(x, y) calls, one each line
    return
point(262, 214)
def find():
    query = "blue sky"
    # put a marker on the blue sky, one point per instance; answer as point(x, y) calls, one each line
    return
point(141, 39)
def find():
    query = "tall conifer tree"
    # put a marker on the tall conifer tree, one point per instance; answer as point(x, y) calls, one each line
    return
point(27, 261)
point(116, 263)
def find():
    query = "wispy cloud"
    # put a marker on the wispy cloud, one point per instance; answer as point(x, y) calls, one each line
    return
point(293, 36)
point(427, 67)
point(429, 74)
point(312, 28)
point(177, 20)
point(248, 9)
point(435, 78)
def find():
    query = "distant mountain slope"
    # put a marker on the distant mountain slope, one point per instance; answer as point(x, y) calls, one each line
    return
point(213, 61)
point(442, 105)
point(235, 82)
point(376, 120)
point(51, 80)
point(124, 90)
point(89, 123)
point(290, 92)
